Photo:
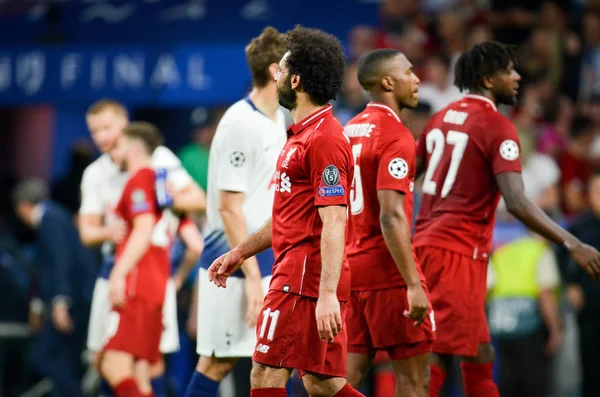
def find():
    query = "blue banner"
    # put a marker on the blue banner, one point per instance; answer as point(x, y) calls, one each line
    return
point(169, 75)
point(168, 21)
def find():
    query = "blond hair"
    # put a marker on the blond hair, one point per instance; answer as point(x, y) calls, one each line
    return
point(105, 104)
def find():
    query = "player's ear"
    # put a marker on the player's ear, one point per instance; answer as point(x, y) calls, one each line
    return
point(295, 81)
point(387, 83)
point(488, 82)
point(273, 69)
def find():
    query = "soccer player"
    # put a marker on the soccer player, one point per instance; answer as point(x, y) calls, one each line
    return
point(301, 325)
point(389, 307)
point(101, 187)
point(471, 155)
point(242, 161)
point(138, 280)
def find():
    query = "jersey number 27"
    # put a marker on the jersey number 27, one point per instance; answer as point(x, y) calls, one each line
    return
point(436, 144)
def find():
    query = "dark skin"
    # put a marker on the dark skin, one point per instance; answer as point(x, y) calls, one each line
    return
point(396, 86)
point(503, 88)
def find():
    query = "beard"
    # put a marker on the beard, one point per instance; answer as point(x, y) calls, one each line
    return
point(287, 95)
point(506, 99)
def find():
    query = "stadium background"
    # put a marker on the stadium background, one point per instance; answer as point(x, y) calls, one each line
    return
point(179, 64)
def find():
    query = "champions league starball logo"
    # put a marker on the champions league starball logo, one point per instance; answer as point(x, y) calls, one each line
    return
point(331, 175)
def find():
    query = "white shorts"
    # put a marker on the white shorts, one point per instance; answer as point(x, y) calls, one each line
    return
point(169, 341)
point(222, 329)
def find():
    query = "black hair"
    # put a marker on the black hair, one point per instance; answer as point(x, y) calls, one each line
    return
point(580, 126)
point(369, 66)
point(480, 62)
point(318, 58)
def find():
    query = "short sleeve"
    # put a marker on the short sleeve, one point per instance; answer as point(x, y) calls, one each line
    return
point(331, 168)
point(163, 158)
point(505, 148)
point(235, 158)
point(139, 196)
point(396, 164)
point(91, 197)
point(547, 274)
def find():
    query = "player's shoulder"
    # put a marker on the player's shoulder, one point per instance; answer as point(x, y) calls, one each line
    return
point(142, 177)
point(241, 110)
point(163, 157)
point(100, 168)
point(329, 130)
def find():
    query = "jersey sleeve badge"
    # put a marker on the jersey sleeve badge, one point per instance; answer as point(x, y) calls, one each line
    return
point(509, 150)
point(331, 179)
point(398, 168)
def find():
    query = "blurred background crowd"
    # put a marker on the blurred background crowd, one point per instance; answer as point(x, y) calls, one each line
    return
point(179, 64)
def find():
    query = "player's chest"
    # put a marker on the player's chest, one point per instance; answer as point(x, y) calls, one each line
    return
point(291, 173)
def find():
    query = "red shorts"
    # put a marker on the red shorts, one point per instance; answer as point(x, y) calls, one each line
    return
point(135, 328)
point(287, 337)
point(376, 322)
point(457, 285)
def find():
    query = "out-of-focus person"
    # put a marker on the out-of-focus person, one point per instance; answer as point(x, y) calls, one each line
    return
point(584, 294)
point(523, 315)
point(194, 156)
point(66, 277)
point(437, 88)
point(18, 319)
point(352, 98)
point(576, 167)
point(360, 41)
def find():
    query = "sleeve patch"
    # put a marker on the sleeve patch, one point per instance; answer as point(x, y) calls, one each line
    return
point(139, 201)
point(398, 168)
point(331, 176)
point(331, 191)
point(509, 150)
point(237, 158)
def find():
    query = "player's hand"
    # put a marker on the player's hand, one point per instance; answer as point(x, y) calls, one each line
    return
point(117, 231)
point(178, 281)
point(329, 317)
point(254, 297)
point(61, 318)
point(588, 258)
point(553, 343)
point(224, 266)
point(418, 305)
point(117, 289)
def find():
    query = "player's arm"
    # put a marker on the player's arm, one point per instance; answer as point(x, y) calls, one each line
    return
point(137, 244)
point(236, 228)
point(191, 198)
point(333, 240)
point(227, 264)
point(396, 230)
point(194, 244)
point(511, 186)
point(187, 195)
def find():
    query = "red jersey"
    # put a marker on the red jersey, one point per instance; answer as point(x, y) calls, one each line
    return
point(384, 156)
point(314, 169)
point(149, 277)
point(464, 147)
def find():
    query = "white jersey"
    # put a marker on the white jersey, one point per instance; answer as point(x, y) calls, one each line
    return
point(103, 182)
point(243, 156)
